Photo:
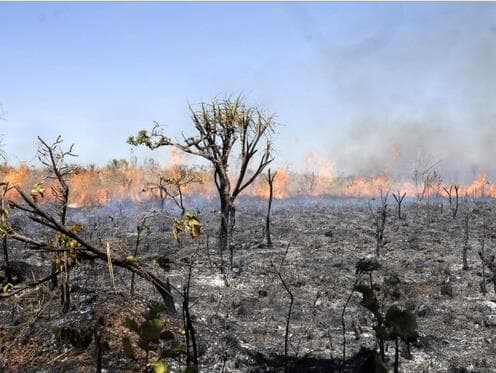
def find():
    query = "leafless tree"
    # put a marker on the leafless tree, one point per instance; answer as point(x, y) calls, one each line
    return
point(290, 308)
point(4, 227)
point(466, 245)
point(140, 227)
point(225, 130)
point(85, 251)
point(453, 198)
point(482, 254)
point(173, 187)
point(54, 158)
point(379, 219)
point(399, 200)
point(270, 181)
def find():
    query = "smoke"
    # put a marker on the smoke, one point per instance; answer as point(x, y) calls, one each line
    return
point(420, 91)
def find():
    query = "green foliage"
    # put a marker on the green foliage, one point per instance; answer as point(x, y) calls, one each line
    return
point(163, 262)
point(6, 288)
point(152, 334)
point(189, 223)
point(37, 191)
point(131, 259)
point(175, 351)
point(396, 323)
point(159, 366)
point(79, 338)
point(151, 140)
point(128, 348)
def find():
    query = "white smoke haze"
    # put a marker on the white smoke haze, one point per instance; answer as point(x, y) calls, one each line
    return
point(422, 99)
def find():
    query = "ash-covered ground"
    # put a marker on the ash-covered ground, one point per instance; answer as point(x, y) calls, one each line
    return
point(240, 317)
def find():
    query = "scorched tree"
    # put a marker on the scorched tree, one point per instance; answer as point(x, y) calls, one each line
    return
point(226, 130)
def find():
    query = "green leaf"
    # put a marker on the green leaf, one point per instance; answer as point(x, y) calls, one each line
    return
point(7, 287)
point(131, 325)
point(128, 348)
point(159, 366)
point(154, 310)
point(150, 330)
point(131, 259)
point(176, 351)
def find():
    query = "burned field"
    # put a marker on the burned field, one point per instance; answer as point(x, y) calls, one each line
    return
point(284, 307)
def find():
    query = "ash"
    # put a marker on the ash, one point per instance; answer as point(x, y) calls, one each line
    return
point(240, 316)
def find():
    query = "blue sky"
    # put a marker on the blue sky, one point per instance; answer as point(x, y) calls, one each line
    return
point(346, 80)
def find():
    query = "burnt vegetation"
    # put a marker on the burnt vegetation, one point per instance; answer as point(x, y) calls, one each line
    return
point(181, 283)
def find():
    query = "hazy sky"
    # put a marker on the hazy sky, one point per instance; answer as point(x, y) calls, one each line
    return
point(349, 81)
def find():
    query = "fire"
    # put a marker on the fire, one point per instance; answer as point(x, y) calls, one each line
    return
point(279, 188)
point(322, 177)
point(121, 181)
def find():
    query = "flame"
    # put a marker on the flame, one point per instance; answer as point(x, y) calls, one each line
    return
point(121, 181)
point(279, 187)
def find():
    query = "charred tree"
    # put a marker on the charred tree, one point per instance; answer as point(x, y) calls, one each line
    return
point(225, 130)
point(453, 198)
point(189, 330)
point(490, 263)
point(379, 219)
point(85, 251)
point(173, 187)
point(140, 227)
point(4, 228)
point(482, 255)
point(54, 158)
point(270, 181)
point(399, 200)
point(466, 245)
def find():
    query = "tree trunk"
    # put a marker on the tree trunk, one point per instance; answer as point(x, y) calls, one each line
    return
point(269, 207)
point(226, 227)
point(6, 259)
point(465, 245)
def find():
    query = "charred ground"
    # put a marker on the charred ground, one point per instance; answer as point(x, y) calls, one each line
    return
point(241, 327)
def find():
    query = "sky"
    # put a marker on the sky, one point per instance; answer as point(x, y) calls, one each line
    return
point(366, 86)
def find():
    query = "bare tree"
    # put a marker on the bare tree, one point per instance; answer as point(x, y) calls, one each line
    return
point(466, 245)
point(4, 227)
point(379, 218)
point(399, 200)
point(225, 130)
point(86, 250)
point(453, 198)
point(173, 187)
point(270, 181)
point(482, 254)
point(54, 158)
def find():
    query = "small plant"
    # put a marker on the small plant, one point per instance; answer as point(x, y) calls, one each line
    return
point(153, 335)
point(79, 338)
point(395, 325)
